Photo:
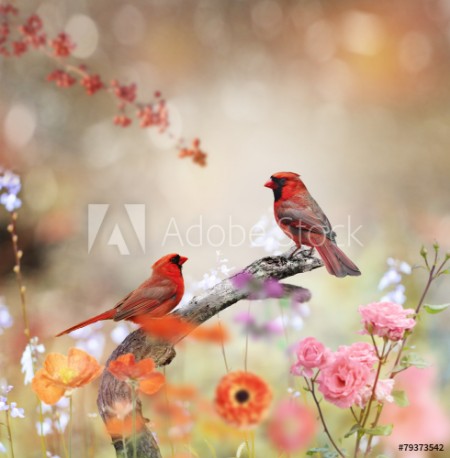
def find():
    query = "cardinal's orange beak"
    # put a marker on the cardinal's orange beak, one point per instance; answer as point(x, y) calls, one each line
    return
point(270, 184)
point(182, 260)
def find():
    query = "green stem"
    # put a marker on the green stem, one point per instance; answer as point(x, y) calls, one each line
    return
point(374, 423)
point(366, 411)
point(70, 425)
point(322, 418)
point(252, 438)
point(431, 277)
point(8, 427)
point(222, 345)
point(246, 342)
point(12, 229)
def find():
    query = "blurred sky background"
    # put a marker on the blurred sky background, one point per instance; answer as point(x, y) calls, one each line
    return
point(353, 95)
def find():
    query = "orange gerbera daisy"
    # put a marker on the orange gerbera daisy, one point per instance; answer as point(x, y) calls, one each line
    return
point(242, 399)
point(61, 373)
point(127, 369)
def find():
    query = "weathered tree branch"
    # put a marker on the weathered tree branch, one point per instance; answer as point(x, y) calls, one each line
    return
point(200, 309)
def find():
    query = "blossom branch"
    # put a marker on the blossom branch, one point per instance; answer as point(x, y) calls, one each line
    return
point(200, 309)
point(16, 40)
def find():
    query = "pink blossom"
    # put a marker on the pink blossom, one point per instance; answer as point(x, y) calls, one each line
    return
point(383, 392)
point(311, 354)
point(342, 380)
point(360, 351)
point(292, 426)
point(386, 319)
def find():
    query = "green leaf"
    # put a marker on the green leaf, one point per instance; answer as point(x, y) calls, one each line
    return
point(433, 309)
point(413, 359)
point(354, 429)
point(381, 430)
point(400, 398)
point(444, 272)
point(316, 450)
point(325, 451)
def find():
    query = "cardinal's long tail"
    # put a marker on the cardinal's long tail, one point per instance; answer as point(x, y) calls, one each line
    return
point(108, 315)
point(336, 261)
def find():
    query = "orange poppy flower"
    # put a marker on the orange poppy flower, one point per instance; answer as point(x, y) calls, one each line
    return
point(169, 328)
point(173, 420)
point(126, 368)
point(123, 427)
point(215, 333)
point(242, 399)
point(61, 373)
point(181, 392)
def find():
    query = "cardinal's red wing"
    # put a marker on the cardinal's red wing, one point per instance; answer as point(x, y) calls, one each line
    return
point(309, 218)
point(144, 299)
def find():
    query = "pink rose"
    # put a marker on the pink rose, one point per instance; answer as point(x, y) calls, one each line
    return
point(311, 354)
point(386, 319)
point(360, 351)
point(341, 381)
point(383, 392)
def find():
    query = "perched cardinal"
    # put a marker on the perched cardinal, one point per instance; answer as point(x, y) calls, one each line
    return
point(156, 297)
point(301, 219)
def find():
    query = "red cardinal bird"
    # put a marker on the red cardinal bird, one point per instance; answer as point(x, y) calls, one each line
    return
point(156, 297)
point(301, 219)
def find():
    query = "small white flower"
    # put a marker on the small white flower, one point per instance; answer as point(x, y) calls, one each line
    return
point(405, 268)
point(119, 333)
point(5, 389)
point(44, 428)
point(391, 277)
point(93, 345)
point(6, 320)
point(28, 357)
point(270, 236)
point(397, 295)
point(3, 404)
point(16, 412)
point(2, 448)
point(61, 425)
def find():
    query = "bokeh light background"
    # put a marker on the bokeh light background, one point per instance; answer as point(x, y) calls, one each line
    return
point(353, 95)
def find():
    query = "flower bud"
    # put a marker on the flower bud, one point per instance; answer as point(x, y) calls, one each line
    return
point(423, 252)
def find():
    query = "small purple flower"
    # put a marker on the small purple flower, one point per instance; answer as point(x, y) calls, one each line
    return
point(273, 288)
point(275, 327)
point(242, 280)
point(245, 318)
point(6, 320)
point(10, 183)
point(300, 296)
point(3, 404)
